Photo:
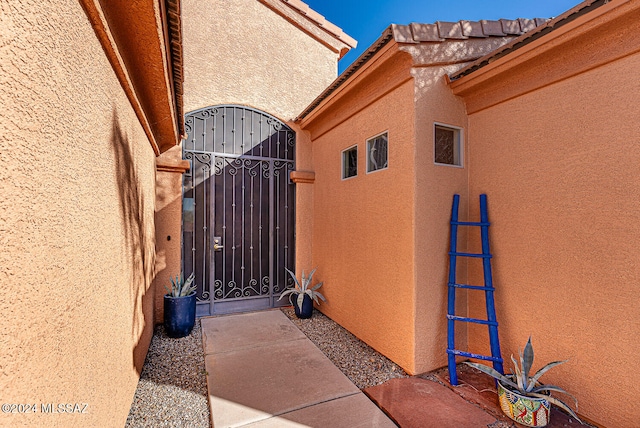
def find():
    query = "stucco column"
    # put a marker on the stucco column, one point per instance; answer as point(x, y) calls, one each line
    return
point(168, 219)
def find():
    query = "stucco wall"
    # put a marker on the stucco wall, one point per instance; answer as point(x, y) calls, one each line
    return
point(168, 220)
point(363, 228)
point(76, 222)
point(434, 189)
point(242, 52)
point(560, 166)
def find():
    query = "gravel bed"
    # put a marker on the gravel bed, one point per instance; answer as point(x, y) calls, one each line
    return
point(172, 391)
point(358, 361)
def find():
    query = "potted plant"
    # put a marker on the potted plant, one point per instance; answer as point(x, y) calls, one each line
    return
point(522, 397)
point(180, 307)
point(305, 295)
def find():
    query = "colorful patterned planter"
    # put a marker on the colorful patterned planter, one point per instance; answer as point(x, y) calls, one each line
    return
point(529, 411)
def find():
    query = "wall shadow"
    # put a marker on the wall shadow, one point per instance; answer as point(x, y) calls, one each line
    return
point(139, 241)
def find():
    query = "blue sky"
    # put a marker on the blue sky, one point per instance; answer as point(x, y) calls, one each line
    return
point(365, 20)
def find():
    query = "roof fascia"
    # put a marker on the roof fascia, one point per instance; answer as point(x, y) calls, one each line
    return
point(313, 24)
point(558, 36)
point(98, 21)
point(363, 59)
point(140, 43)
point(342, 86)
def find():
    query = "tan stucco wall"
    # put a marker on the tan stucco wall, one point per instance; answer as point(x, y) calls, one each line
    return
point(560, 166)
point(434, 189)
point(242, 52)
point(168, 220)
point(76, 221)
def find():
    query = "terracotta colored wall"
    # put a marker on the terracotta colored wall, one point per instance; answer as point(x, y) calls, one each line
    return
point(242, 52)
point(434, 187)
point(168, 220)
point(76, 221)
point(362, 230)
point(560, 166)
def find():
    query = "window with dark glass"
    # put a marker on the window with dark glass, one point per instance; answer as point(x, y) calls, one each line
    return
point(447, 145)
point(377, 152)
point(350, 162)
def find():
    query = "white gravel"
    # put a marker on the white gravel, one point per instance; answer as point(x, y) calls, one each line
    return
point(172, 391)
point(358, 361)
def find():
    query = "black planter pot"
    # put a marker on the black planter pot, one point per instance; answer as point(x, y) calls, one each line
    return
point(307, 307)
point(179, 315)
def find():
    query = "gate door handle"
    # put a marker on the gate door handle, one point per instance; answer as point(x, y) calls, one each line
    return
point(216, 244)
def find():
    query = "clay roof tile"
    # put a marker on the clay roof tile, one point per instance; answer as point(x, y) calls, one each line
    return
point(511, 27)
point(492, 28)
point(450, 30)
point(425, 32)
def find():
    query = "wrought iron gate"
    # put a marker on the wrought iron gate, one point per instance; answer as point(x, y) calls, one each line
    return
point(238, 208)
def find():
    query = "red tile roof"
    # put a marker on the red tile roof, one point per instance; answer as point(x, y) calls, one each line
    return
point(533, 30)
point(319, 20)
point(439, 32)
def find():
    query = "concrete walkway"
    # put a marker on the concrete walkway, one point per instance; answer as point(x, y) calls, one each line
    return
point(264, 372)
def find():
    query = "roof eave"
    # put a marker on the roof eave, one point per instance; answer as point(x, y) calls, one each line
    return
point(528, 38)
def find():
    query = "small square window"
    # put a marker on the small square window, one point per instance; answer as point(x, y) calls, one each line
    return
point(377, 152)
point(350, 162)
point(448, 145)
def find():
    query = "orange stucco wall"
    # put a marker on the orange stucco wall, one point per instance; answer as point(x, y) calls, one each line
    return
point(76, 222)
point(559, 163)
point(168, 220)
point(434, 189)
point(362, 232)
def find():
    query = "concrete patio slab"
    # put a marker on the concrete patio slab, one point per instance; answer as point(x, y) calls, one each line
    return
point(234, 332)
point(354, 411)
point(415, 402)
point(260, 366)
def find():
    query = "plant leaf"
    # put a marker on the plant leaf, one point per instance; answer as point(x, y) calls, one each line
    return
point(293, 275)
point(317, 293)
point(518, 374)
point(311, 276)
point(318, 285)
point(559, 403)
point(300, 300)
point(527, 361)
point(287, 291)
point(546, 369)
point(555, 388)
point(493, 373)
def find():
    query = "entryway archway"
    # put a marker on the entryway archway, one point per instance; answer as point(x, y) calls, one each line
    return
point(238, 208)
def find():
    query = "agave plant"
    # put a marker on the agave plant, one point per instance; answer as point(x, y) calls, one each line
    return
point(181, 287)
point(302, 287)
point(521, 381)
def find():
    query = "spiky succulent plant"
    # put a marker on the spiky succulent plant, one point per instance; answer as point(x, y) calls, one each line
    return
point(521, 381)
point(302, 287)
point(181, 287)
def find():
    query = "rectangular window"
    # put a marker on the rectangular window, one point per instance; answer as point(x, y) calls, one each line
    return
point(377, 152)
point(448, 145)
point(350, 162)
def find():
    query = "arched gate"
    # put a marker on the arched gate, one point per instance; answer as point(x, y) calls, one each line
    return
point(238, 208)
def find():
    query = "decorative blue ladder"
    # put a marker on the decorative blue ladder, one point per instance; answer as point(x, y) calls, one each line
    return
point(488, 289)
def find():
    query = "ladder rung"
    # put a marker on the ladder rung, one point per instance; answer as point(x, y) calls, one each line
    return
point(472, 287)
point(473, 320)
point(476, 356)
point(470, 223)
point(482, 256)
